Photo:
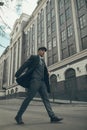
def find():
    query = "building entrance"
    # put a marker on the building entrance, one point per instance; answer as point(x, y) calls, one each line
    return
point(70, 84)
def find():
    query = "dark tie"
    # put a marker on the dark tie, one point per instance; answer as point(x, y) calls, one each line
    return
point(42, 62)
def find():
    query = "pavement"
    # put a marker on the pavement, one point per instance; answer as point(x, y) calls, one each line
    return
point(59, 101)
point(55, 101)
point(36, 117)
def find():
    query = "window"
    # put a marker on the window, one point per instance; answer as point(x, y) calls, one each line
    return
point(62, 19)
point(49, 60)
point(72, 50)
point(69, 31)
point(48, 17)
point(63, 35)
point(53, 26)
point(55, 58)
point(67, 1)
point(42, 25)
point(65, 53)
point(80, 3)
point(68, 13)
point(42, 14)
point(48, 31)
point(49, 45)
point(83, 22)
point(54, 42)
point(52, 13)
point(48, 6)
point(84, 42)
point(39, 40)
point(61, 3)
point(42, 37)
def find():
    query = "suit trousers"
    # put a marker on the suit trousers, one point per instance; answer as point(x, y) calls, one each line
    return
point(36, 86)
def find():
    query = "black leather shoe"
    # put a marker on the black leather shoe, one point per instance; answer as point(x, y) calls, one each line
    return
point(19, 120)
point(55, 119)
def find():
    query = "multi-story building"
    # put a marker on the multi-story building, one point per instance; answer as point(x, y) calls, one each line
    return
point(11, 59)
point(61, 26)
point(4, 63)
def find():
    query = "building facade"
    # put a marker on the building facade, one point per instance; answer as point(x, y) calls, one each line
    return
point(61, 26)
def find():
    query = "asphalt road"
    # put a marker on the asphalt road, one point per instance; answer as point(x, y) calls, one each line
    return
point(36, 118)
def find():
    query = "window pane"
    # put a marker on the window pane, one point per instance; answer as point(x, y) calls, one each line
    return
point(61, 3)
point(50, 60)
point(80, 3)
point(62, 19)
point(83, 21)
point(54, 42)
point(68, 13)
point(49, 45)
point(84, 42)
point(63, 35)
point(69, 31)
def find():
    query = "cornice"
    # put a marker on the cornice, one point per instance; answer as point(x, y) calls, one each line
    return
point(69, 60)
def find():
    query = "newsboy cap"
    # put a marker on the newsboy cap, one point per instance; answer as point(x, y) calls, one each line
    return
point(42, 48)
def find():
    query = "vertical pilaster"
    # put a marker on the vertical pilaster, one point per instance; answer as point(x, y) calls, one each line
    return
point(16, 58)
point(45, 31)
point(36, 35)
point(9, 67)
point(12, 53)
point(20, 52)
point(57, 30)
point(75, 25)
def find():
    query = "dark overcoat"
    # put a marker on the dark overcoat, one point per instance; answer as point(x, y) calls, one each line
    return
point(24, 73)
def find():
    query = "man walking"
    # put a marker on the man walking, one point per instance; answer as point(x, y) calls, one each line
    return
point(38, 82)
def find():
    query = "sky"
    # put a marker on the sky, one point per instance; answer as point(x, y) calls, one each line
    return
point(8, 15)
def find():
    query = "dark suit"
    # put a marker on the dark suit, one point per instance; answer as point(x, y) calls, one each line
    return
point(38, 81)
point(30, 65)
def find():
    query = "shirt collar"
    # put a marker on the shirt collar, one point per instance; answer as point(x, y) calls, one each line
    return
point(41, 57)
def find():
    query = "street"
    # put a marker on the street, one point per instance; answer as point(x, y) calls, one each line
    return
point(36, 118)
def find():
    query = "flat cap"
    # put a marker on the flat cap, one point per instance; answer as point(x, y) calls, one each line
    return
point(42, 48)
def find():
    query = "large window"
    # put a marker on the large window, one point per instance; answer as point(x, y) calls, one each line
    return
point(49, 45)
point(52, 13)
point(51, 32)
point(48, 17)
point(83, 21)
point(48, 31)
point(61, 3)
point(80, 3)
point(65, 53)
point(54, 42)
point(84, 42)
point(71, 49)
point(63, 35)
point(40, 28)
point(69, 31)
point(53, 27)
point(62, 19)
point(67, 1)
point(68, 13)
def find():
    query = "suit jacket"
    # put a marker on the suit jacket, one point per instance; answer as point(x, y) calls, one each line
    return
point(24, 73)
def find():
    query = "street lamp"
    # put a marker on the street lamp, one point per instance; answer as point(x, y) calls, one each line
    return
point(1, 3)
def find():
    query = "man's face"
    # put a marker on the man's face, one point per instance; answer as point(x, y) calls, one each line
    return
point(41, 53)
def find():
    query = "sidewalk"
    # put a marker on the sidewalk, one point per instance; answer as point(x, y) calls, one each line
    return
point(60, 101)
point(56, 101)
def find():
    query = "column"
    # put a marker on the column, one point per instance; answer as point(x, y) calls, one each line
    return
point(20, 53)
point(36, 35)
point(73, 4)
point(12, 53)
point(45, 32)
point(57, 30)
